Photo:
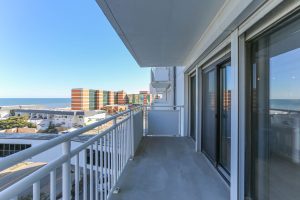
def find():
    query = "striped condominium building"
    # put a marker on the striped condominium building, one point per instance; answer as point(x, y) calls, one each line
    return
point(80, 99)
point(89, 99)
point(99, 99)
point(121, 97)
point(111, 97)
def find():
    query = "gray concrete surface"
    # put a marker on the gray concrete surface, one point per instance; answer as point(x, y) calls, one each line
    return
point(168, 168)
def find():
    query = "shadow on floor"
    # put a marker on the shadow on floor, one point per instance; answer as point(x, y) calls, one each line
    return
point(168, 168)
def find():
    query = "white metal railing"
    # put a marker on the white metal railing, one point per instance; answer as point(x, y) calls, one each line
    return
point(104, 157)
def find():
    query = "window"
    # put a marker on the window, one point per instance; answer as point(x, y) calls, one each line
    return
point(9, 149)
point(274, 139)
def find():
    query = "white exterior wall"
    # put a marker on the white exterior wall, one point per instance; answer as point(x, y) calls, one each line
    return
point(179, 86)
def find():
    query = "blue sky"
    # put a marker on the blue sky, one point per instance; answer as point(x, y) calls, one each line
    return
point(48, 47)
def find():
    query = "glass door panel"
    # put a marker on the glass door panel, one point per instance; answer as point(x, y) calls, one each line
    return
point(225, 84)
point(209, 109)
point(275, 117)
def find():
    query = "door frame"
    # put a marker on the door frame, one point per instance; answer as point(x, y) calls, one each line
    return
point(215, 66)
point(192, 75)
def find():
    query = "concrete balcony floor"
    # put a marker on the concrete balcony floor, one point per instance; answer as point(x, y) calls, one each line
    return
point(168, 168)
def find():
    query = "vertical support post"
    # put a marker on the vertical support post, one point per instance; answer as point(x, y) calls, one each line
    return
point(36, 193)
point(96, 170)
point(131, 133)
point(91, 172)
point(199, 104)
point(143, 120)
point(242, 114)
point(197, 138)
point(186, 104)
point(77, 177)
point(66, 172)
point(234, 116)
point(114, 147)
point(101, 169)
point(105, 185)
point(84, 175)
point(53, 185)
point(109, 158)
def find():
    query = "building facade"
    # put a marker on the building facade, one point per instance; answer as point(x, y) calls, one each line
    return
point(80, 99)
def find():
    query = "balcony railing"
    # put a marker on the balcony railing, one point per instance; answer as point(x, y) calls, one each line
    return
point(99, 161)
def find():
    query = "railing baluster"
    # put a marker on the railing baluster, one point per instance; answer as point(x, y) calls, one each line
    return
point(114, 171)
point(84, 174)
point(96, 171)
point(109, 161)
point(77, 175)
point(122, 150)
point(119, 151)
point(105, 167)
point(101, 169)
point(66, 146)
point(125, 143)
point(91, 172)
point(131, 134)
point(53, 185)
point(36, 192)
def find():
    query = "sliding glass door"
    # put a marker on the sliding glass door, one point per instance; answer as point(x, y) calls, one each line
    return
point(216, 109)
point(225, 84)
point(274, 139)
point(209, 113)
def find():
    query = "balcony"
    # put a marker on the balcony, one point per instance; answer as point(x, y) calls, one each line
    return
point(169, 168)
point(137, 154)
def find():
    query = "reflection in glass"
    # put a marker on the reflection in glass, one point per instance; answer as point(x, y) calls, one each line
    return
point(209, 110)
point(275, 134)
point(225, 116)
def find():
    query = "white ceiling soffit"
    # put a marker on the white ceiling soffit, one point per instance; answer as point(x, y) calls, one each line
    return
point(169, 32)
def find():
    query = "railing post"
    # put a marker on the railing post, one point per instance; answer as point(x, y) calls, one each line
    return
point(144, 110)
point(36, 193)
point(53, 185)
point(77, 177)
point(114, 149)
point(66, 148)
point(131, 133)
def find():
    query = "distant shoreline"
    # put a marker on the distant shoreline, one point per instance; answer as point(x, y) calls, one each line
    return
point(45, 102)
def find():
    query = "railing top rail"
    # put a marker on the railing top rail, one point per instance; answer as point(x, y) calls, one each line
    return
point(30, 152)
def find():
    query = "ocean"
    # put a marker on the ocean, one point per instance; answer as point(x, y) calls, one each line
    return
point(47, 102)
point(286, 104)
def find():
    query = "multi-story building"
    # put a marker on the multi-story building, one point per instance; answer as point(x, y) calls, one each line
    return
point(116, 97)
point(89, 99)
point(111, 97)
point(99, 99)
point(80, 99)
point(92, 100)
point(130, 98)
point(121, 97)
point(105, 98)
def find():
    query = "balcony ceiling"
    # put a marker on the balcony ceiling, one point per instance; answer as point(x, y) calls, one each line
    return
point(160, 33)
